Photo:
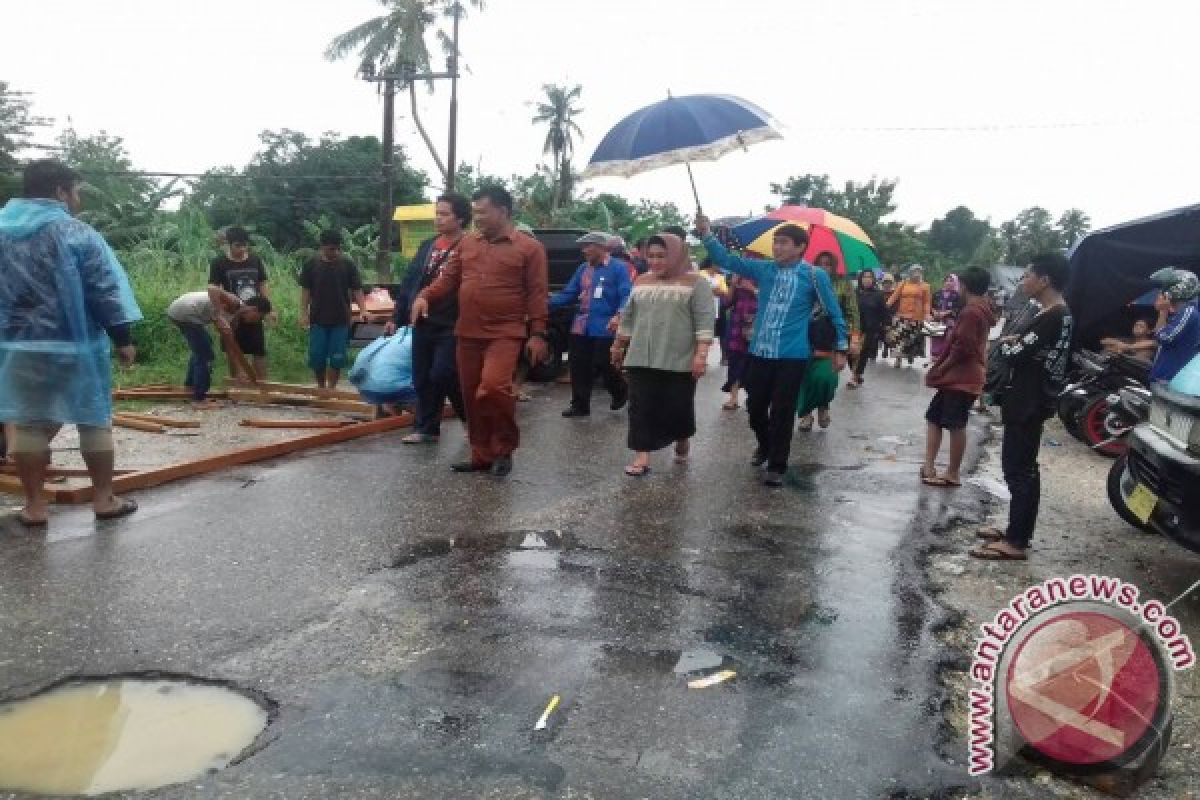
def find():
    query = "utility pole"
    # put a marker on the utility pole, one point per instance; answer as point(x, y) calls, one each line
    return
point(452, 147)
point(383, 259)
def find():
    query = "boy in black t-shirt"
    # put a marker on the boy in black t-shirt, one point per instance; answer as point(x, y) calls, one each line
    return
point(1037, 356)
point(328, 281)
point(242, 274)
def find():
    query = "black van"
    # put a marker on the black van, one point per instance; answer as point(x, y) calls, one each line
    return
point(563, 256)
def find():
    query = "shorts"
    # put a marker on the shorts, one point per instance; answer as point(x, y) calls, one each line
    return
point(34, 438)
point(949, 409)
point(327, 346)
point(250, 338)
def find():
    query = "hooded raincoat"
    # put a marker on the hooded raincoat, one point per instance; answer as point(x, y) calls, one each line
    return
point(61, 290)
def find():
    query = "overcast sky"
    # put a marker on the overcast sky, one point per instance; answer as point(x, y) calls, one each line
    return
point(993, 105)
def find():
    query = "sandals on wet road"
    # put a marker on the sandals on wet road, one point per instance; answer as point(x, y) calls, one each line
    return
point(940, 481)
point(125, 507)
point(31, 523)
point(637, 470)
point(991, 552)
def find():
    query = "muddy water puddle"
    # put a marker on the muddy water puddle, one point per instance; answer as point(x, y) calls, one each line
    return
point(88, 738)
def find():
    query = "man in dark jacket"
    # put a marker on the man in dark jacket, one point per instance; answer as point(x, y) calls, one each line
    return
point(435, 378)
point(958, 375)
point(1036, 357)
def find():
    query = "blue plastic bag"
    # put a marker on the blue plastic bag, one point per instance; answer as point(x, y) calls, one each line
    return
point(382, 373)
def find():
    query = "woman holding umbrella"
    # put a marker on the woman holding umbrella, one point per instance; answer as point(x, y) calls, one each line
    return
point(663, 340)
point(912, 304)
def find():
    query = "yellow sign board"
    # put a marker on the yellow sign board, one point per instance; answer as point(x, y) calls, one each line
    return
point(416, 225)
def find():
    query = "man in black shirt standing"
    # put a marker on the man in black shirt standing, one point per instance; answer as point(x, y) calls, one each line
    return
point(328, 281)
point(1036, 357)
point(435, 376)
point(242, 274)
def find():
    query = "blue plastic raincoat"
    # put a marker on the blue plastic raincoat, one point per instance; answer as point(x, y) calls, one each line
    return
point(61, 288)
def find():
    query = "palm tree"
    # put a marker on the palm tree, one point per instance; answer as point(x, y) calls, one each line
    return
point(1074, 224)
point(558, 112)
point(395, 43)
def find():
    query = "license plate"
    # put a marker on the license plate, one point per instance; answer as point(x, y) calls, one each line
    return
point(1141, 503)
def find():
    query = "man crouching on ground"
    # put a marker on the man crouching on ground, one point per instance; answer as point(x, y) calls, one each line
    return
point(63, 296)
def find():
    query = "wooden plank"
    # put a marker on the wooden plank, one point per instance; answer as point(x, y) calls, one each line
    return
point(160, 394)
point(294, 389)
point(167, 421)
point(137, 424)
point(253, 422)
point(301, 401)
point(239, 358)
point(156, 476)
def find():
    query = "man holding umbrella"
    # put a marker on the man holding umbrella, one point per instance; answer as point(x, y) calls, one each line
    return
point(789, 289)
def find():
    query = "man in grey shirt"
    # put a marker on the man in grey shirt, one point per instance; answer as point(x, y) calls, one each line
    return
point(193, 313)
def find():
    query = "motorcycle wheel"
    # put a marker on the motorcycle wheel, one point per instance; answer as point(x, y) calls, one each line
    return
point(1093, 430)
point(1115, 498)
point(1068, 413)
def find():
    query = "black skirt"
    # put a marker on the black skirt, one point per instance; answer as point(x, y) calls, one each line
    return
point(662, 408)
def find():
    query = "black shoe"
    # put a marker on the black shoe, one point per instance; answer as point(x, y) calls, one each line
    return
point(576, 412)
point(470, 466)
point(773, 479)
point(619, 399)
point(759, 458)
point(502, 466)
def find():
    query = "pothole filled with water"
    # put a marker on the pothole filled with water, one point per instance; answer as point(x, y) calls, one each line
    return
point(95, 736)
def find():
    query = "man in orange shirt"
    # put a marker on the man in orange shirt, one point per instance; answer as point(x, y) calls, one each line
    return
point(500, 276)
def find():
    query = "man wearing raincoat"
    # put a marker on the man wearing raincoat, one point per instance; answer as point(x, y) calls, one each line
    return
point(63, 296)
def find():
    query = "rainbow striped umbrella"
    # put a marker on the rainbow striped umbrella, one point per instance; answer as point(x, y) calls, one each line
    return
point(827, 232)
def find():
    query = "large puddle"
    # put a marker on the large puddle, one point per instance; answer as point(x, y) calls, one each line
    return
point(93, 737)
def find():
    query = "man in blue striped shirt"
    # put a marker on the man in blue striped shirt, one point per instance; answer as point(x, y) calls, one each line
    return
point(788, 289)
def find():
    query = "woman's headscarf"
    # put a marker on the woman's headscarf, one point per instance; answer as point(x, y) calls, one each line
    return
point(915, 273)
point(953, 284)
point(678, 260)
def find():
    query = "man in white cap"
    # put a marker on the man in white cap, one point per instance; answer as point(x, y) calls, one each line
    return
point(600, 286)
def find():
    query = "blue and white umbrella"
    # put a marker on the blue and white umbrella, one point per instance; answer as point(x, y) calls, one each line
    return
point(680, 130)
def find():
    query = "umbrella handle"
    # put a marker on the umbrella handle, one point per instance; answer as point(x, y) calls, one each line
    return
point(695, 194)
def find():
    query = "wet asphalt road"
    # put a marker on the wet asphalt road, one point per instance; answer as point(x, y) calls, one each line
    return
point(411, 631)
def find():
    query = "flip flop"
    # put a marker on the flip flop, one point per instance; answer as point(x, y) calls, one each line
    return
point(31, 523)
point(729, 406)
point(926, 474)
point(126, 508)
point(989, 553)
point(940, 482)
point(637, 470)
point(989, 534)
point(806, 424)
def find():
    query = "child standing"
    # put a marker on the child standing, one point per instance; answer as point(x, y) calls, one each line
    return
point(327, 283)
point(958, 375)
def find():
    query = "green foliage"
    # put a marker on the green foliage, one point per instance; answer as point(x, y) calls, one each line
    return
point(293, 179)
point(959, 234)
point(359, 245)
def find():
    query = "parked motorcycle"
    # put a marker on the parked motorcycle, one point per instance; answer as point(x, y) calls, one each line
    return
point(1084, 405)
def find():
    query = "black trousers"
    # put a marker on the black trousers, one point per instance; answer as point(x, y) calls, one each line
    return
point(1018, 458)
point(586, 354)
point(435, 377)
point(772, 391)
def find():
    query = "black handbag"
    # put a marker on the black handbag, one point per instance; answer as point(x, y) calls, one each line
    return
point(822, 335)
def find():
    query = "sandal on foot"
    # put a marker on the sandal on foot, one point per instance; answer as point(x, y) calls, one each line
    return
point(940, 482)
point(989, 552)
point(124, 508)
point(989, 534)
point(31, 523)
point(806, 423)
point(927, 473)
point(729, 406)
point(637, 470)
